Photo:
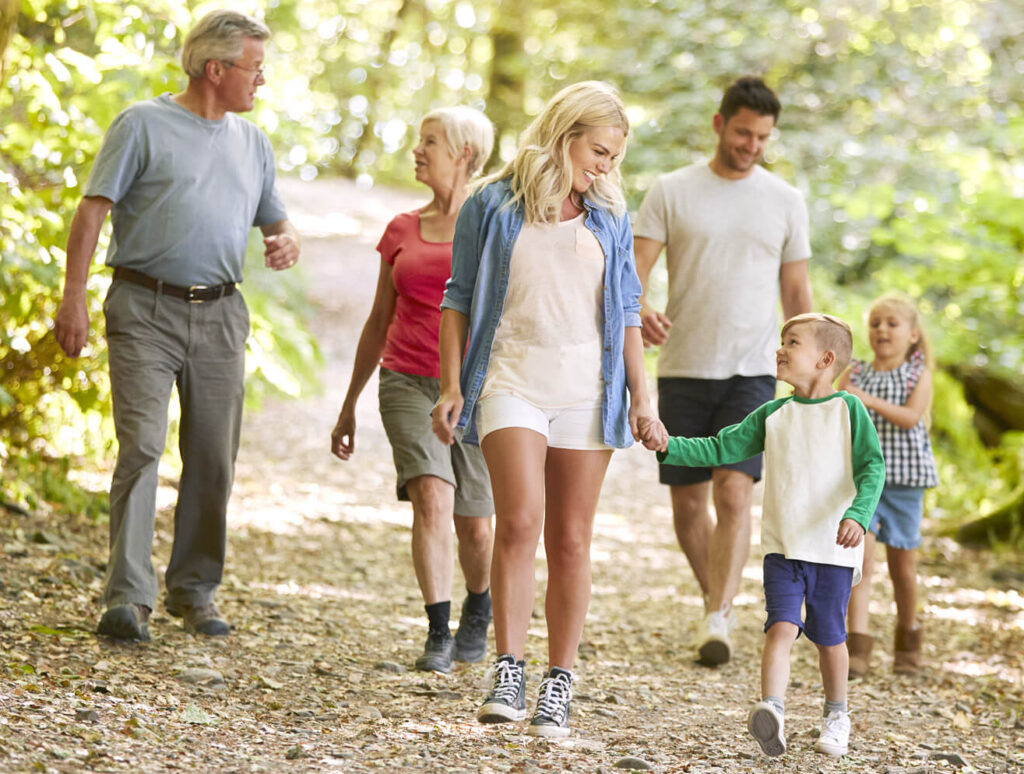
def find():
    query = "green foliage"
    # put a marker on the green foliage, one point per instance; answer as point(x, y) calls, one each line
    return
point(32, 481)
point(71, 67)
point(902, 122)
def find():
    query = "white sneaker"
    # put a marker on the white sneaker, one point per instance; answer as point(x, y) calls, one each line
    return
point(713, 644)
point(835, 734)
point(767, 725)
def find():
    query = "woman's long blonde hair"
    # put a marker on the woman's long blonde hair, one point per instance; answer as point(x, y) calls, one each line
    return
point(541, 171)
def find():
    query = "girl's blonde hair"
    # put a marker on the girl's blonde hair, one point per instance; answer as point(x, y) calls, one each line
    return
point(541, 171)
point(465, 127)
point(905, 306)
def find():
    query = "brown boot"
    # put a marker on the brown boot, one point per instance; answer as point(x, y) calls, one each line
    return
point(859, 646)
point(906, 655)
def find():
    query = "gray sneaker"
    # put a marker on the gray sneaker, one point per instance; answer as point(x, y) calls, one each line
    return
point(552, 716)
point(437, 653)
point(471, 638)
point(507, 700)
point(125, 622)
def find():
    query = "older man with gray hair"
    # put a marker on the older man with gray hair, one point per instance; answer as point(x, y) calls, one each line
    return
point(184, 179)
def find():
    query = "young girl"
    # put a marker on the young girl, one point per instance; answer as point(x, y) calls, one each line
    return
point(896, 388)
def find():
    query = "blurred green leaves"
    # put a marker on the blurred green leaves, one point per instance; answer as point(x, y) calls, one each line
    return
point(71, 67)
point(902, 122)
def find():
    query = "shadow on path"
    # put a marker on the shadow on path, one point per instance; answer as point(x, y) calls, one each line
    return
point(328, 619)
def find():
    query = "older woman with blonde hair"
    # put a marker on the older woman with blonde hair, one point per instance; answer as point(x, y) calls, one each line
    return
point(545, 290)
point(401, 334)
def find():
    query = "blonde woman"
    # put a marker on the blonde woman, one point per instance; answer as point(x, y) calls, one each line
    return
point(401, 334)
point(545, 290)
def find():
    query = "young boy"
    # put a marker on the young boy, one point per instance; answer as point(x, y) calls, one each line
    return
point(823, 476)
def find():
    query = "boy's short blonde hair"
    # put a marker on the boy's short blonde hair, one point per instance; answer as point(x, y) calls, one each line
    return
point(830, 333)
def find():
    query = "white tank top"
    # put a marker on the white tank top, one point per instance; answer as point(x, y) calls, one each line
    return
point(547, 349)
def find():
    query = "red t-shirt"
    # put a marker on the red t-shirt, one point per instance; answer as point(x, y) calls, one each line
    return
point(420, 270)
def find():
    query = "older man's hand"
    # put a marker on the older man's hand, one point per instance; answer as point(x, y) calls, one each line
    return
point(281, 251)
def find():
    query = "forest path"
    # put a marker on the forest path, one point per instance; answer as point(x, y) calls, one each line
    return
point(327, 619)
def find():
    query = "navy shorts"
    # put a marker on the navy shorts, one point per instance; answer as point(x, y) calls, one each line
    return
point(789, 584)
point(697, 408)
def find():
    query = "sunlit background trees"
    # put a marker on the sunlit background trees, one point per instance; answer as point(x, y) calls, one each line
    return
point(902, 123)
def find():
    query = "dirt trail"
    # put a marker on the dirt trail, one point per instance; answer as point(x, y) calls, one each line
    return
point(327, 617)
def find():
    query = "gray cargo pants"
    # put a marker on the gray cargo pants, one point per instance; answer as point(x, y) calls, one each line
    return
point(154, 342)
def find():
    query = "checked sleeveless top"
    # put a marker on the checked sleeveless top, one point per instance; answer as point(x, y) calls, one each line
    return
point(908, 453)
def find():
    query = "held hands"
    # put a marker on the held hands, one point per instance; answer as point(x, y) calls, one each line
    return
point(281, 251)
point(850, 534)
point(445, 415)
point(650, 431)
point(655, 325)
point(343, 436)
point(71, 325)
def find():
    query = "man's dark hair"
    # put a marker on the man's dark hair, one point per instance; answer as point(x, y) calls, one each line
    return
point(749, 92)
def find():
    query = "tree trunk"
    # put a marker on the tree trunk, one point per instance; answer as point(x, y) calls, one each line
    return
point(1005, 524)
point(8, 21)
point(377, 71)
point(506, 97)
point(998, 401)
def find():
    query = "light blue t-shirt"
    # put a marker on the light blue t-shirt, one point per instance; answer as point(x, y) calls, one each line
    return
point(186, 191)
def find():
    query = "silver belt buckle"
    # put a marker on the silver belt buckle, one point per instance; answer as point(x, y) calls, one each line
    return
point(190, 293)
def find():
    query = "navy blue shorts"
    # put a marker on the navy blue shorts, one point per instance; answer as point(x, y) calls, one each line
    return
point(789, 584)
point(697, 408)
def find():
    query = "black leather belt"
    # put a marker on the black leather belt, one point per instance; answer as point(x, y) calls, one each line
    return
point(194, 294)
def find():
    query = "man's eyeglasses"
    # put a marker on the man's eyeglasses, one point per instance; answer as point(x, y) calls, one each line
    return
point(259, 71)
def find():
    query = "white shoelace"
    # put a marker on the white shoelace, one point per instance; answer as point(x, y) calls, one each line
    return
point(555, 695)
point(507, 677)
point(836, 726)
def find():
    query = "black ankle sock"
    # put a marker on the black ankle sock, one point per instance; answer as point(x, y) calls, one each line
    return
point(478, 603)
point(439, 614)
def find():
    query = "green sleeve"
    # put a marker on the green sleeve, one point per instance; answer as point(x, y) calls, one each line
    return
point(868, 464)
point(734, 443)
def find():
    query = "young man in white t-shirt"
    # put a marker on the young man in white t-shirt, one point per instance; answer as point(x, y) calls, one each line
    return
point(737, 244)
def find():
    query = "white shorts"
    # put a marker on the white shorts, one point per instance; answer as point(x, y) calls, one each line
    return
point(575, 427)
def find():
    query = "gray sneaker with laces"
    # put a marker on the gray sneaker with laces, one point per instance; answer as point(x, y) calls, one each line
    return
point(552, 716)
point(507, 700)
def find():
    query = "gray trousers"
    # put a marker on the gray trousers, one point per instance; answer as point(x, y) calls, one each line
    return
point(154, 342)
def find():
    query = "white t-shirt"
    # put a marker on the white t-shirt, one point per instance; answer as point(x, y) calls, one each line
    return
point(823, 464)
point(547, 349)
point(726, 242)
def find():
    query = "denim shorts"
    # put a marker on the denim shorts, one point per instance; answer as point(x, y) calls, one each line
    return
point(790, 584)
point(697, 408)
point(406, 401)
point(897, 520)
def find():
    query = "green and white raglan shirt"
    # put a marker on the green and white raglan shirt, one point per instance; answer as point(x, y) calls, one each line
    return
point(823, 464)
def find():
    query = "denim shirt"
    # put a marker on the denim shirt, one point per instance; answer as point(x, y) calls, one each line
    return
point(481, 256)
